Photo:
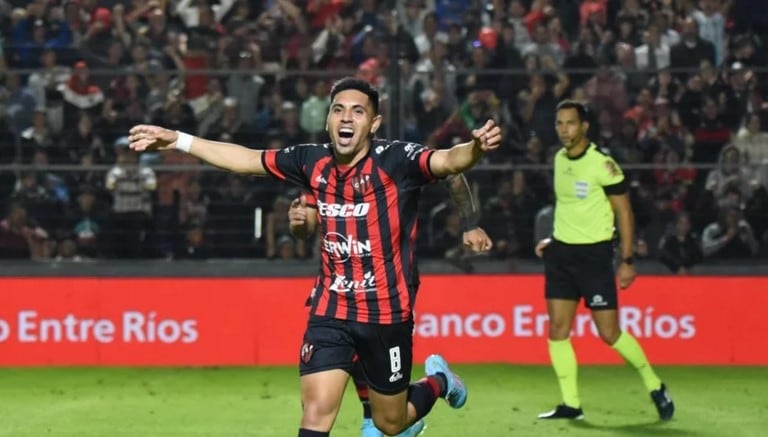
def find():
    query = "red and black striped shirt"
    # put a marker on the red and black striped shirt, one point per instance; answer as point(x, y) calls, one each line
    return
point(367, 217)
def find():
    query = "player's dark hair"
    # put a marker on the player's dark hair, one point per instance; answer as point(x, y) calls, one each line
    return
point(580, 108)
point(353, 83)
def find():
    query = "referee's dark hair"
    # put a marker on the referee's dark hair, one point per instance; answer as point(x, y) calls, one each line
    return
point(580, 108)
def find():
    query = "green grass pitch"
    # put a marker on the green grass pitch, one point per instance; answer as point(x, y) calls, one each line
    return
point(264, 402)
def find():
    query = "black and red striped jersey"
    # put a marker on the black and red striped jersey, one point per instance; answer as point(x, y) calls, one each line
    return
point(367, 222)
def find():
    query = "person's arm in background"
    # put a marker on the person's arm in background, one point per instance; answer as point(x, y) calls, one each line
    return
point(188, 14)
point(221, 8)
point(747, 237)
point(711, 242)
point(294, 12)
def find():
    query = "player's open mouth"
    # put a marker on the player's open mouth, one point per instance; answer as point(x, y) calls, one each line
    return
point(345, 135)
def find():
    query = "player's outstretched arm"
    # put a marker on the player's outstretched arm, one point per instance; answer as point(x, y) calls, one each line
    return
point(462, 157)
point(228, 156)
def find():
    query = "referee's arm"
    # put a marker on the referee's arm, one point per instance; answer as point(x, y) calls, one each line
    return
point(626, 222)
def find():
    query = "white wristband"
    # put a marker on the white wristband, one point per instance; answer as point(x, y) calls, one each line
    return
point(183, 141)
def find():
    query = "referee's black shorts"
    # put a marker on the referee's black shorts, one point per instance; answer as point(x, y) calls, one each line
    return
point(575, 271)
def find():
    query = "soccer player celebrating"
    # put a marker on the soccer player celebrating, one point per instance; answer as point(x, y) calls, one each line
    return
point(302, 216)
point(578, 259)
point(367, 194)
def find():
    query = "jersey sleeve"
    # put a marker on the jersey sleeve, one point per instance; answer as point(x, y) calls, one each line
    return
point(610, 177)
point(288, 164)
point(310, 199)
point(407, 162)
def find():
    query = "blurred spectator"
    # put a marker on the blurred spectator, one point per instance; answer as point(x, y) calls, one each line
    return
point(88, 223)
point(670, 84)
point(230, 223)
point(18, 102)
point(446, 242)
point(193, 208)
point(194, 244)
point(498, 220)
point(287, 125)
point(38, 136)
point(730, 175)
point(331, 46)
point(710, 134)
point(245, 85)
point(663, 19)
point(478, 106)
point(45, 84)
point(752, 141)
point(80, 93)
point(680, 249)
point(279, 242)
point(314, 111)
point(13, 234)
point(673, 175)
point(607, 91)
point(691, 50)
point(194, 14)
point(8, 152)
point(98, 27)
point(653, 55)
point(132, 187)
point(20, 238)
point(67, 250)
point(543, 44)
point(31, 192)
point(538, 105)
point(712, 25)
point(756, 214)
point(209, 106)
point(81, 139)
point(730, 237)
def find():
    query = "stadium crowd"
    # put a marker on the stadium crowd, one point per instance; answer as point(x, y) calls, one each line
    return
point(678, 93)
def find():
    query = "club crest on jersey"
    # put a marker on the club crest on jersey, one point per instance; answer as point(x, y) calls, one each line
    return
point(306, 352)
point(612, 168)
point(361, 183)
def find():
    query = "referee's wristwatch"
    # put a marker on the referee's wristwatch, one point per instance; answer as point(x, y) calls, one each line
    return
point(628, 260)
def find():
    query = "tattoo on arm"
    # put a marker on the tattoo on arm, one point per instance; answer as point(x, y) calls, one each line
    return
point(461, 194)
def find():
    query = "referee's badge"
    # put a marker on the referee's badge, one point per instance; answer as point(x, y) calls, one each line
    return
point(581, 188)
point(612, 168)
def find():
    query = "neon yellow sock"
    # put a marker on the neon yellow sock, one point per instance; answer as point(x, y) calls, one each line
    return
point(564, 362)
point(629, 349)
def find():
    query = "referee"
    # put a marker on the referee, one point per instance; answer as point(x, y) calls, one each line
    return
point(590, 193)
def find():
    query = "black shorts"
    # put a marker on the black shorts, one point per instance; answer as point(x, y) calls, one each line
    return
point(385, 351)
point(573, 271)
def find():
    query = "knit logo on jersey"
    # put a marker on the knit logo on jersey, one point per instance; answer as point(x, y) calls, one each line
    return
point(342, 284)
